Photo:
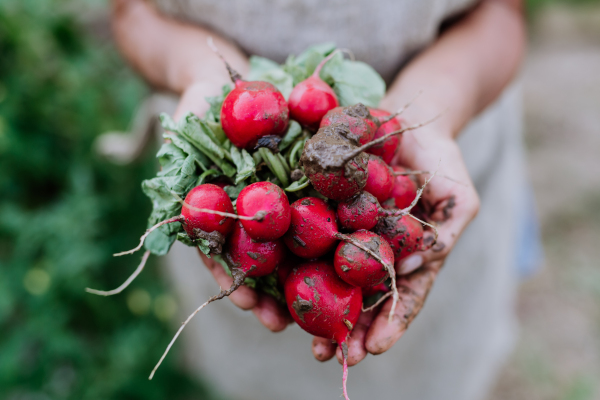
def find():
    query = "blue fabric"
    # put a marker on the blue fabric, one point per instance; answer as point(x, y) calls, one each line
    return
point(530, 252)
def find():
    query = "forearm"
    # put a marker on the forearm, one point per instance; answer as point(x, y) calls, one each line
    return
point(170, 54)
point(465, 70)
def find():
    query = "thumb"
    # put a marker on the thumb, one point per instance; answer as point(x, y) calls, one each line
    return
point(193, 99)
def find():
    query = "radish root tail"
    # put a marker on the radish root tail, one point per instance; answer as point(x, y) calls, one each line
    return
point(344, 347)
point(238, 280)
point(137, 271)
point(178, 218)
point(233, 74)
point(407, 210)
point(401, 109)
point(259, 216)
point(421, 172)
point(317, 70)
point(377, 303)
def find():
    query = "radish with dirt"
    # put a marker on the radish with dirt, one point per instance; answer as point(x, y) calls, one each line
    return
point(324, 305)
point(313, 230)
point(336, 163)
point(253, 258)
point(359, 268)
point(403, 233)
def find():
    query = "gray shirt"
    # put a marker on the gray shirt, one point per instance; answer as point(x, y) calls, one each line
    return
point(383, 33)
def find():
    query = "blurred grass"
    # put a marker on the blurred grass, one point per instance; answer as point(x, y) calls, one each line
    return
point(64, 211)
point(534, 7)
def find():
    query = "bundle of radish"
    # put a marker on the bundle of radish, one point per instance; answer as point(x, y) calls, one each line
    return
point(227, 181)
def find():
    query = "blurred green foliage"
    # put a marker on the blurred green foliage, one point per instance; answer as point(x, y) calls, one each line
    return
point(64, 211)
point(534, 6)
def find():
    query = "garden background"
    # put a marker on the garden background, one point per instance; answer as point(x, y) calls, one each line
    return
point(64, 211)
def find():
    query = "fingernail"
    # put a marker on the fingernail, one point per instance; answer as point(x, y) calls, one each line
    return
point(410, 264)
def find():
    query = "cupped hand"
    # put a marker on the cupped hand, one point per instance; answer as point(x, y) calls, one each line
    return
point(451, 202)
point(266, 309)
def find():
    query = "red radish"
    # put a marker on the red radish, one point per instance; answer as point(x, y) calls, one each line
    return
point(324, 305)
point(312, 98)
point(197, 223)
point(404, 234)
point(380, 180)
point(359, 212)
point(387, 149)
point(272, 203)
point(405, 189)
point(325, 165)
point(253, 258)
point(285, 268)
point(252, 110)
point(313, 229)
point(362, 125)
point(359, 268)
point(363, 211)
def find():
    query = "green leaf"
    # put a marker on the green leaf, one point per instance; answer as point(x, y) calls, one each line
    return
point(354, 82)
point(294, 131)
point(234, 191)
point(217, 130)
point(216, 102)
point(170, 158)
point(202, 178)
point(298, 185)
point(167, 123)
point(244, 163)
point(203, 246)
point(193, 130)
point(322, 49)
point(188, 149)
point(165, 205)
point(262, 69)
point(185, 239)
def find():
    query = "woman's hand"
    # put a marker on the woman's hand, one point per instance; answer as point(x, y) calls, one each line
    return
point(459, 75)
point(451, 204)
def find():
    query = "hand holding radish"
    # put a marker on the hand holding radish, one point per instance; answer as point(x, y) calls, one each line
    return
point(452, 204)
point(309, 219)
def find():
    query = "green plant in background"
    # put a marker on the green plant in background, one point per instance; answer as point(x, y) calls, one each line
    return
point(64, 211)
point(535, 6)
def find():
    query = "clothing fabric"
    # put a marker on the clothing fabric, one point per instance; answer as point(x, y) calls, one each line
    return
point(455, 347)
point(382, 33)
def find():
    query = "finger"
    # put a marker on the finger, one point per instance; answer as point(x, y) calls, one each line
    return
point(193, 99)
point(270, 313)
point(356, 341)
point(413, 290)
point(244, 297)
point(323, 349)
point(454, 216)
